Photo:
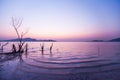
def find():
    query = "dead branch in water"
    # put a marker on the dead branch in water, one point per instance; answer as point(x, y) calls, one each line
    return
point(42, 48)
point(51, 48)
point(14, 50)
point(2, 46)
point(16, 23)
point(26, 50)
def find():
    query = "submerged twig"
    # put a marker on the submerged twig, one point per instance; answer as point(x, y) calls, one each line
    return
point(42, 48)
point(2, 46)
point(26, 50)
point(14, 50)
point(51, 48)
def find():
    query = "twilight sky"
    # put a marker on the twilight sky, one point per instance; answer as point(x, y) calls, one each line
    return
point(67, 20)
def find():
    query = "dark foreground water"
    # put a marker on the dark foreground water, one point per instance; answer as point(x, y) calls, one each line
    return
point(68, 61)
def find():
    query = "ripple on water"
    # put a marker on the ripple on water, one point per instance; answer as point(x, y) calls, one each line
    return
point(68, 65)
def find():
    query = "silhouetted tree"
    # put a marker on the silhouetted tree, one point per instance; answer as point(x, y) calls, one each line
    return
point(16, 23)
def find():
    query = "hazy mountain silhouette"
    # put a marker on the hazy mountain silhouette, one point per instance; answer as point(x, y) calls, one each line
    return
point(49, 40)
point(97, 41)
point(28, 40)
point(115, 40)
point(112, 40)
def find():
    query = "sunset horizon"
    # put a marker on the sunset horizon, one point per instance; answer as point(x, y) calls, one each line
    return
point(59, 39)
point(69, 20)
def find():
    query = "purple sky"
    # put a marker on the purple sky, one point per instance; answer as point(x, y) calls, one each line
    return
point(66, 20)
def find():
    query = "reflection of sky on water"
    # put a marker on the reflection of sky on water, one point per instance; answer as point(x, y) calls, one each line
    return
point(67, 58)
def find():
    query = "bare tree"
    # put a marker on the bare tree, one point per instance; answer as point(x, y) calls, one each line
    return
point(16, 23)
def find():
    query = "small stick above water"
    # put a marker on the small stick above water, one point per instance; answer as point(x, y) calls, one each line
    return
point(51, 48)
point(42, 48)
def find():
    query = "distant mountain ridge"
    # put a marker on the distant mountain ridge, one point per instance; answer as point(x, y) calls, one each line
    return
point(115, 40)
point(28, 40)
point(50, 40)
point(97, 41)
point(112, 40)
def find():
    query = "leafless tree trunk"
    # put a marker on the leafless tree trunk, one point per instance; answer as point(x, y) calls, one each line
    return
point(16, 23)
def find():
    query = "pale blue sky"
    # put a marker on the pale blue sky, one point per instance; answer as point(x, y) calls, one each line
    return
point(62, 19)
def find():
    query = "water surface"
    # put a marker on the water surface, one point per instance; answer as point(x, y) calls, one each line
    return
point(68, 61)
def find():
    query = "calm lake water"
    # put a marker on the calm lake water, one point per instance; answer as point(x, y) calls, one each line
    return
point(68, 61)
